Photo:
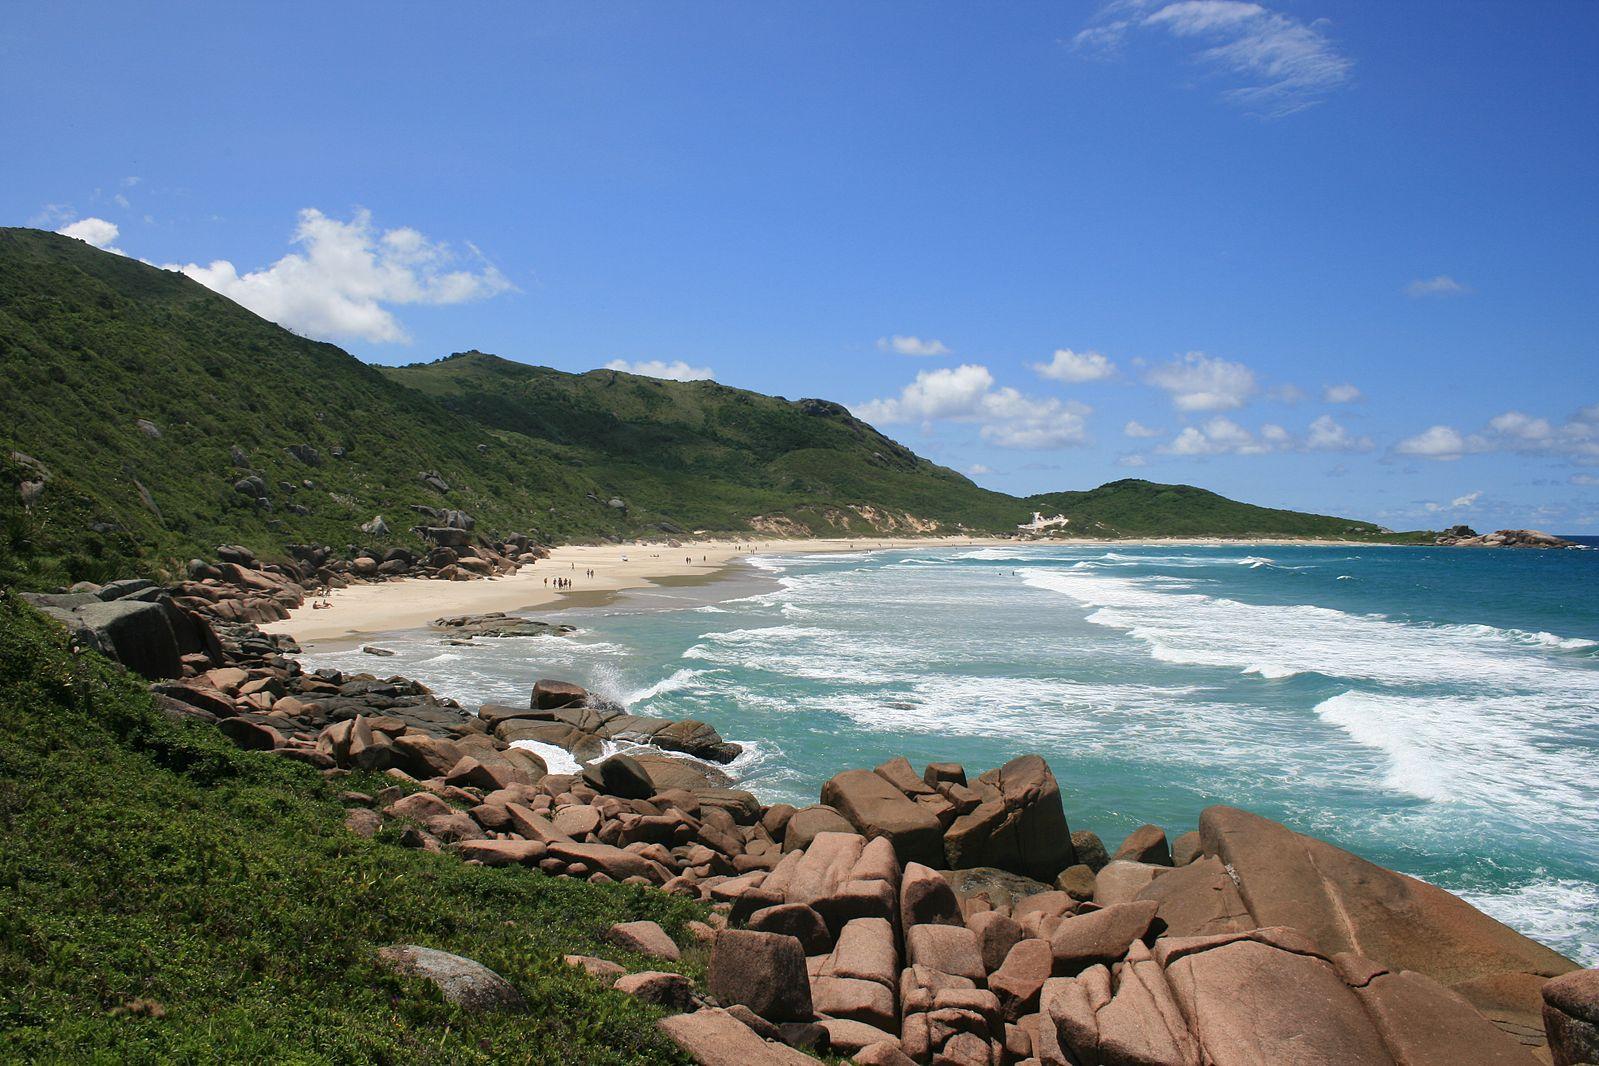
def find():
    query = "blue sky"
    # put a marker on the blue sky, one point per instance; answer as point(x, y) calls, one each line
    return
point(1320, 254)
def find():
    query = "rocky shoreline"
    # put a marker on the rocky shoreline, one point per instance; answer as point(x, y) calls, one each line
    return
point(1466, 537)
point(906, 917)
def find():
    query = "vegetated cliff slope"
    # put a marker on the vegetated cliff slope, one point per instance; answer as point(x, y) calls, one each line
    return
point(710, 456)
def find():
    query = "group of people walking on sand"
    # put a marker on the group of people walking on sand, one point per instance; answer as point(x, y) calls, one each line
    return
point(565, 582)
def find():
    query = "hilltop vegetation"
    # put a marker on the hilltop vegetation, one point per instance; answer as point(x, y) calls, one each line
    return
point(165, 897)
point(1137, 508)
point(709, 456)
point(147, 419)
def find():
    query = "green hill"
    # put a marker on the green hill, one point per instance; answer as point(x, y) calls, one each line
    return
point(708, 456)
point(141, 397)
point(1137, 508)
point(146, 419)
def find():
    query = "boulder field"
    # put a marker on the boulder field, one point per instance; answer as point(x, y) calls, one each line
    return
point(907, 917)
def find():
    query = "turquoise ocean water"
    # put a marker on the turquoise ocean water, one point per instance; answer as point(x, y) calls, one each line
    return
point(1434, 710)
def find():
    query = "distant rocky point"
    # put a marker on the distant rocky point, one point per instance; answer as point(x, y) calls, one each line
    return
point(1466, 537)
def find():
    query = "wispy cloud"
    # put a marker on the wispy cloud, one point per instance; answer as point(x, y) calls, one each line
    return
point(903, 344)
point(968, 394)
point(1344, 393)
point(1440, 285)
point(1278, 63)
point(677, 370)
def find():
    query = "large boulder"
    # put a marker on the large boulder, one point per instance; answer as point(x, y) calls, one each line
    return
point(715, 1038)
point(1346, 904)
point(549, 694)
point(139, 634)
point(463, 983)
point(1020, 826)
point(1571, 1017)
point(620, 776)
point(763, 971)
point(805, 824)
point(877, 809)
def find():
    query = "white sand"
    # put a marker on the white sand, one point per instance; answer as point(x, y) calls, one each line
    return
point(413, 602)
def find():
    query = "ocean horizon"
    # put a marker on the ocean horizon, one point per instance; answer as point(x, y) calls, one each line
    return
point(1434, 710)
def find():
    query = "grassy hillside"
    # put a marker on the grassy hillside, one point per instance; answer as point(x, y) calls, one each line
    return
point(1137, 508)
point(165, 897)
point(136, 400)
point(708, 456)
point(92, 343)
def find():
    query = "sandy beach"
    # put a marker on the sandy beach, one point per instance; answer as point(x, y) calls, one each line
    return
point(413, 602)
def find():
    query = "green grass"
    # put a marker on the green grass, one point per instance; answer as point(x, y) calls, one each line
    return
point(143, 860)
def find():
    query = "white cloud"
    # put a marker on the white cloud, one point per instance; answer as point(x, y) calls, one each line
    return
point(1467, 500)
point(1133, 460)
point(346, 276)
point(1223, 436)
point(1279, 63)
point(1140, 431)
point(901, 344)
point(1327, 435)
point(95, 231)
point(1441, 285)
point(1345, 393)
point(1076, 367)
point(677, 370)
point(967, 394)
point(1218, 436)
point(977, 469)
point(1522, 427)
point(1197, 382)
point(1583, 479)
point(1288, 393)
point(1576, 438)
point(1443, 443)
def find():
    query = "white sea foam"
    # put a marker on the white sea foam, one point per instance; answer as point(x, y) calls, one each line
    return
point(997, 554)
point(1499, 754)
point(679, 679)
point(1278, 641)
point(1560, 912)
point(557, 759)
